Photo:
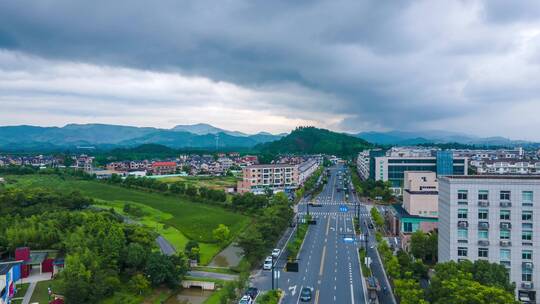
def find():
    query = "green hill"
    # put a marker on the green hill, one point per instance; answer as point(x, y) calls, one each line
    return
point(311, 140)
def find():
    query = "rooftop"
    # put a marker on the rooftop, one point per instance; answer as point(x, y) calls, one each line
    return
point(498, 176)
point(270, 166)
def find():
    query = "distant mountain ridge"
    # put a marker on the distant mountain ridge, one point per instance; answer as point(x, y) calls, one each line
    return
point(414, 138)
point(110, 136)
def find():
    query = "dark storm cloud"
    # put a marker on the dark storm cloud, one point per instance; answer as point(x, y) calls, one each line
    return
point(388, 64)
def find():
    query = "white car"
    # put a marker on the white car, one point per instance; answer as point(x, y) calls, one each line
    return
point(245, 300)
point(276, 252)
point(267, 263)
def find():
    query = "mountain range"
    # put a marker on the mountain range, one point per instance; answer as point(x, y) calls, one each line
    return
point(111, 136)
point(403, 138)
point(204, 136)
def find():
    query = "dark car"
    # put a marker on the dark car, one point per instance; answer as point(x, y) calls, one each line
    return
point(306, 294)
point(370, 226)
point(252, 292)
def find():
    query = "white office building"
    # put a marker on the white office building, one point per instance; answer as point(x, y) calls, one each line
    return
point(492, 218)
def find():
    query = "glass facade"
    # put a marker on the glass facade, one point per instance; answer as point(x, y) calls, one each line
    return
point(445, 163)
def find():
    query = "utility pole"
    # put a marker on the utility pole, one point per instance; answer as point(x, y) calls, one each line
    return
point(273, 272)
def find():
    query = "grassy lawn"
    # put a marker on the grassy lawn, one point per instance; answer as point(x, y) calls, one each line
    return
point(21, 290)
point(193, 220)
point(41, 294)
point(212, 182)
point(154, 218)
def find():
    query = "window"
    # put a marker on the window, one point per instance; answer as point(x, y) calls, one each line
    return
point(483, 234)
point(505, 234)
point(526, 254)
point(505, 254)
point(527, 198)
point(463, 233)
point(526, 235)
point(483, 195)
point(526, 274)
point(462, 195)
point(462, 251)
point(462, 214)
point(482, 252)
point(526, 215)
point(482, 214)
point(505, 195)
point(526, 226)
point(505, 215)
point(407, 227)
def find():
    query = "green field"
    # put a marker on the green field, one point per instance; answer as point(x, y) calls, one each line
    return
point(185, 219)
point(41, 294)
point(212, 182)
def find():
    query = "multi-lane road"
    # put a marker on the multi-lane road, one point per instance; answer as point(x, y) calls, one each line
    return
point(328, 260)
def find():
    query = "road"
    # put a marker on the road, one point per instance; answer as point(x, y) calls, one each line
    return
point(328, 260)
point(376, 265)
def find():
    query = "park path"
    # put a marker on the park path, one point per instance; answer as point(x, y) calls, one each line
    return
point(166, 247)
point(29, 292)
point(213, 275)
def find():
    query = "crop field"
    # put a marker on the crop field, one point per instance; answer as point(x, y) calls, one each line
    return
point(177, 219)
point(212, 182)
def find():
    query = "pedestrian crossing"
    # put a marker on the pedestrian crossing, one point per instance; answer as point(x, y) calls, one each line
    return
point(331, 213)
point(333, 204)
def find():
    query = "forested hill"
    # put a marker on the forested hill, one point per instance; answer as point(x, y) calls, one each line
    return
point(311, 140)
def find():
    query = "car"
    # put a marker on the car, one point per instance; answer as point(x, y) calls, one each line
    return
point(306, 294)
point(370, 226)
point(246, 300)
point(252, 292)
point(276, 252)
point(267, 263)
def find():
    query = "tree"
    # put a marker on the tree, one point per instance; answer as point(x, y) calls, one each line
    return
point(424, 246)
point(162, 270)
point(139, 284)
point(221, 234)
point(251, 241)
point(136, 256)
point(377, 217)
point(409, 291)
point(76, 280)
point(192, 250)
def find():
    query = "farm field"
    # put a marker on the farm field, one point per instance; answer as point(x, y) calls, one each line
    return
point(212, 182)
point(176, 218)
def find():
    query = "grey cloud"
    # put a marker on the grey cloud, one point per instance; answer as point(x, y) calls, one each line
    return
point(382, 64)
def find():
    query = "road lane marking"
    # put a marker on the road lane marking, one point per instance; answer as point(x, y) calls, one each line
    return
point(327, 226)
point(352, 294)
point(301, 287)
point(317, 296)
point(322, 261)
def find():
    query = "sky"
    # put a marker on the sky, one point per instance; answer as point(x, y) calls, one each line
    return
point(347, 65)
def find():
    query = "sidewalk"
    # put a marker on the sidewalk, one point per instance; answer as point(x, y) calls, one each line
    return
point(29, 292)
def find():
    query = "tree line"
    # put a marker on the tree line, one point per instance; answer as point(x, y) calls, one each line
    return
point(102, 253)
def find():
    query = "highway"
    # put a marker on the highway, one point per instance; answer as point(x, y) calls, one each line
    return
point(328, 260)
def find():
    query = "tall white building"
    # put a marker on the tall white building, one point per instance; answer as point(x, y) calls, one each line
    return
point(492, 218)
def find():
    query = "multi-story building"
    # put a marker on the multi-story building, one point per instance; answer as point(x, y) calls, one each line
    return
point(420, 193)
point(419, 209)
point(83, 162)
point(492, 217)
point(258, 178)
point(365, 163)
point(507, 166)
point(306, 169)
point(392, 168)
point(163, 168)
